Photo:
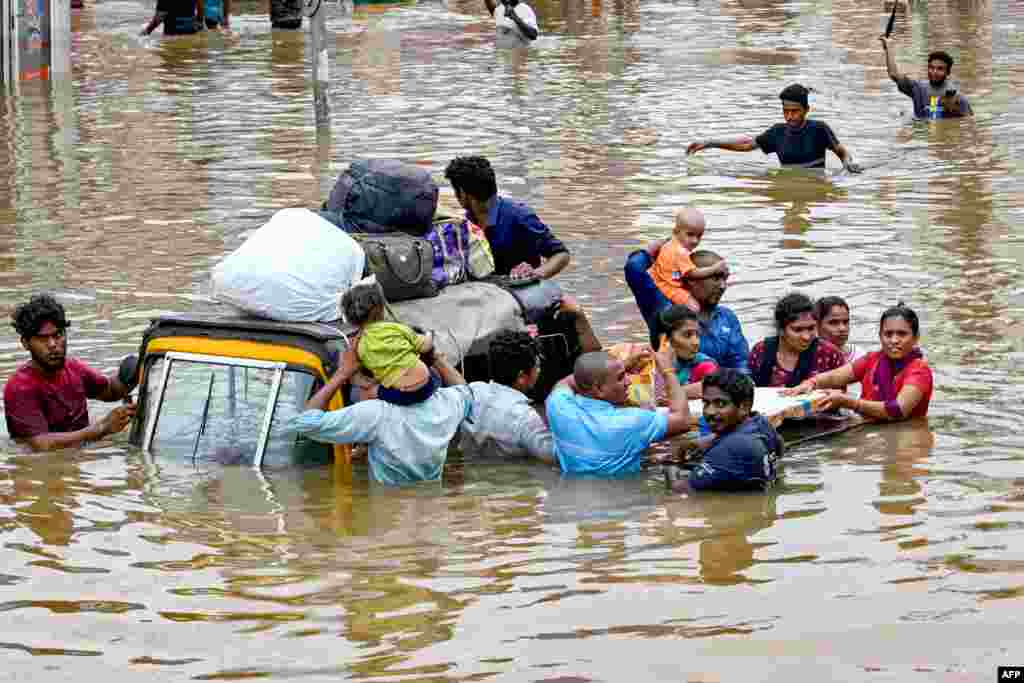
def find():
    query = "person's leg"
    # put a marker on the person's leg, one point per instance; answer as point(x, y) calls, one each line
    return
point(648, 297)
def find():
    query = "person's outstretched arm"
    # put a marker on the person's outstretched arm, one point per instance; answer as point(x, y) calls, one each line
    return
point(158, 18)
point(115, 421)
point(348, 367)
point(678, 405)
point(890, 63)
point(844, 156)
point(744, 143)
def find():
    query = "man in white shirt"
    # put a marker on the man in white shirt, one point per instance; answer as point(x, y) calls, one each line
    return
point(515, 22)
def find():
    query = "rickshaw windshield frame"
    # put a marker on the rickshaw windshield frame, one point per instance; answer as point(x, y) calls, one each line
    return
point(268, 414)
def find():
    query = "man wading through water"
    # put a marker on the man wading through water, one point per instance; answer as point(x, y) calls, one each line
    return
point(798, 142)
point(936, 98)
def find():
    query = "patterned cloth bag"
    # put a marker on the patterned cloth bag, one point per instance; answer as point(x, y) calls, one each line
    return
point(450, 239)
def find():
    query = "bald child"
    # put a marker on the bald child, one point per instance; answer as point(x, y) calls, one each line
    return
point(674, 265)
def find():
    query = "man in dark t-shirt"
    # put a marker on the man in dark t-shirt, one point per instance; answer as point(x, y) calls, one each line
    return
point(45, 399)
point(797, 142)
point(936, 98)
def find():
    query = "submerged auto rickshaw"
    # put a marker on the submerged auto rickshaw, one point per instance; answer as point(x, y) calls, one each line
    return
point(222, 386)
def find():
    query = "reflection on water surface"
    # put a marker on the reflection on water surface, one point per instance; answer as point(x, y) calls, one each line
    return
point(888, 552)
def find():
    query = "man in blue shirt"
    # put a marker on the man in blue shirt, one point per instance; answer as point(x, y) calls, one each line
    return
point(721, 335)
point(799, 141)
point(595, 432)
point(522, 245)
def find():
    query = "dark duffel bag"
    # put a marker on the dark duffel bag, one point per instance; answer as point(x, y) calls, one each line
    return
point(402, 263)
point(384, 195)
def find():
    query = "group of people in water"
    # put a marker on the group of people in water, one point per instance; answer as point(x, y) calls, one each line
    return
point(592, 422)
point(410, 403)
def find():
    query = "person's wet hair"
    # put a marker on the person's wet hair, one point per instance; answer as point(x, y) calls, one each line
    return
point(512, 352)
point(360, 301)
point(824, 306)
point(473, 175)
point(790, 308)
point(28, 318)
point(942, 56)
point(674, 317)
point(733, 383)
point(795, 93)
point(901, 310)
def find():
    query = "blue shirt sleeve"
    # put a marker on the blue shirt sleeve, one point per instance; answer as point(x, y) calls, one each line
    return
point(354, 424)
point(653, 425)
point(542, 241)
point(738, 353)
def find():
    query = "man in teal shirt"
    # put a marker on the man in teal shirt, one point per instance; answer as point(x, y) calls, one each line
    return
point(595, 431)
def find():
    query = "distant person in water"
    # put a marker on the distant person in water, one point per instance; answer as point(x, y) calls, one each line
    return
point(45, 399)
point(217, 13)
point(936, 98)
point(896, 382)
point(515, 22)
point(179, 17)
point(799, 142)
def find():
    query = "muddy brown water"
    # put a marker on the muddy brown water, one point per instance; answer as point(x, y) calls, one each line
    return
point(891, 553)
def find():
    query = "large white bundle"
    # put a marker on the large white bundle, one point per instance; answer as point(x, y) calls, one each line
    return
point(292, 269)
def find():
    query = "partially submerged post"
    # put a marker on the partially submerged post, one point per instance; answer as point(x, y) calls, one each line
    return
point(314, 9)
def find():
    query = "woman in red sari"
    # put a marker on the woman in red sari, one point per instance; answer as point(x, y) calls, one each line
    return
point(896, 382)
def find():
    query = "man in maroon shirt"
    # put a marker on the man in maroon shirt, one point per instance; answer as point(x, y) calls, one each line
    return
point(45, 399)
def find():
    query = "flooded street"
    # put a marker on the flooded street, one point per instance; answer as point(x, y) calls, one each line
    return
point(891, 553)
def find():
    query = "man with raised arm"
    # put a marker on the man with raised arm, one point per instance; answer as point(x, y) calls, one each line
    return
point(935, 98)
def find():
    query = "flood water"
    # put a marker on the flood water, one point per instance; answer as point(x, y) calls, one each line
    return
point(892, 553)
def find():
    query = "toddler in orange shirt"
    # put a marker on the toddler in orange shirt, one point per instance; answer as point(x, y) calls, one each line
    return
point(674, 265)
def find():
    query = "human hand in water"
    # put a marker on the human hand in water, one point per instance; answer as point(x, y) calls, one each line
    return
point(523, 271)
point(852, 166)
point(117, 419)
point(805, 387)
point(834, 399)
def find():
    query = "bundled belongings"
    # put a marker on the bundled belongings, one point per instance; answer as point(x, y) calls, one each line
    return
point(383, 196)
point(291, 269)
point(461, 252)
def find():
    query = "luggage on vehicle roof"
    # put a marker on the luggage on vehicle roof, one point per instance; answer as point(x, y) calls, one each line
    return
point(384, 195)
point(293, 268)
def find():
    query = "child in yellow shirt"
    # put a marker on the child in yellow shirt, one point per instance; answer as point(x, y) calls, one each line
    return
point(390, 351)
